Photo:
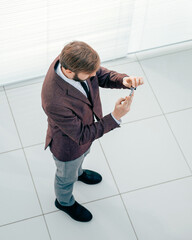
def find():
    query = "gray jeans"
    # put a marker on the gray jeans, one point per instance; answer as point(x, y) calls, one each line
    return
point(66, 175)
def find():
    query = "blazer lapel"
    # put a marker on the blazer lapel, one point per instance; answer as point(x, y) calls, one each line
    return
point(75, 93)
point(70, 89)
point(90, 89)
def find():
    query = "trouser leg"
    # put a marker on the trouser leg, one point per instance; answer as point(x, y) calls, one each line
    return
point(66, 175)
point(80, 171)
point(63, 191)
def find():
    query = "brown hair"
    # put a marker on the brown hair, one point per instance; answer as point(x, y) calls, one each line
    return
point(78, 56)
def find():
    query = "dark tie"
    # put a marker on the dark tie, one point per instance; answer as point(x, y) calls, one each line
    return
point(83, 84)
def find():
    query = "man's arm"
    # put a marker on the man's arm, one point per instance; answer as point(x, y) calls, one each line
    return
point(110, 79)
point(68, 122)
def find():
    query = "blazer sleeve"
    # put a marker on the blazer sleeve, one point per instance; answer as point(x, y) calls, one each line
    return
point(110, 79)
point(69, 123)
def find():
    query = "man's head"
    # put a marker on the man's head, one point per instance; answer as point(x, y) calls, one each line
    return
point(79, 61)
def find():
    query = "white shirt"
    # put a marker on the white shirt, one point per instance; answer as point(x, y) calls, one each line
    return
point(73, 83)
point(77, 85)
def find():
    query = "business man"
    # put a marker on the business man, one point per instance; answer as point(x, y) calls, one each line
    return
point(71, 101)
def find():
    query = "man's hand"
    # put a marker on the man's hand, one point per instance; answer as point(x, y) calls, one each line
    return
point(132, 81)
point(122, 106)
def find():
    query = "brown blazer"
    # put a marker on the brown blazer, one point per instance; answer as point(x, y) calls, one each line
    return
point(71, 126)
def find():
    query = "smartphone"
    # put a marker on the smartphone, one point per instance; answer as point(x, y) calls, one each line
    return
point(132, 88)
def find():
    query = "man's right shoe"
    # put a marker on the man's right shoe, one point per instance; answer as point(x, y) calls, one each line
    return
point(76, 211)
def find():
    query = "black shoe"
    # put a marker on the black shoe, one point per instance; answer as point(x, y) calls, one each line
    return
point(90, 177)
point(76, 211)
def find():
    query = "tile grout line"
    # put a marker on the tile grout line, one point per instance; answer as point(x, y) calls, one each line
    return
point(142, 188)
point(178, 144)
point(157, 184)
point(16, 149)
point(142, 119)
point(164, 114)
point(137, 120)
point(180, 110)
point(27, 164)
point(21, 220)
point(118, 190)
point(99, 199)
point(54, 211)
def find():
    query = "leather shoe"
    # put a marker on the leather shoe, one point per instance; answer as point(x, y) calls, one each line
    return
point(76, 211)
point(90, 177)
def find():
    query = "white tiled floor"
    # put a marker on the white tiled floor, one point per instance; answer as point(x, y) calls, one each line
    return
point(146, 192)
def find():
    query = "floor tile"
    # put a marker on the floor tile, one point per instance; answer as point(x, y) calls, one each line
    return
point(162, 212)
point(144, 153)
point(31, 229)
point(144, 103)
point(18, 197)
point(180, 123)
point(43, 169)
point(9, 136)
point(95, 161)
point(29, 116)
point(110, 221)
point(169, 77)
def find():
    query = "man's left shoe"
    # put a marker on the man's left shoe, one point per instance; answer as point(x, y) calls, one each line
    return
point(90, 177)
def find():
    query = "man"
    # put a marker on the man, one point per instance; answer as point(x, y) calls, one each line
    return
point(70, 99)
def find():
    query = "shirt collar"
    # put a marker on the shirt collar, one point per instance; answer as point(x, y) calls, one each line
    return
point(61, 73)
